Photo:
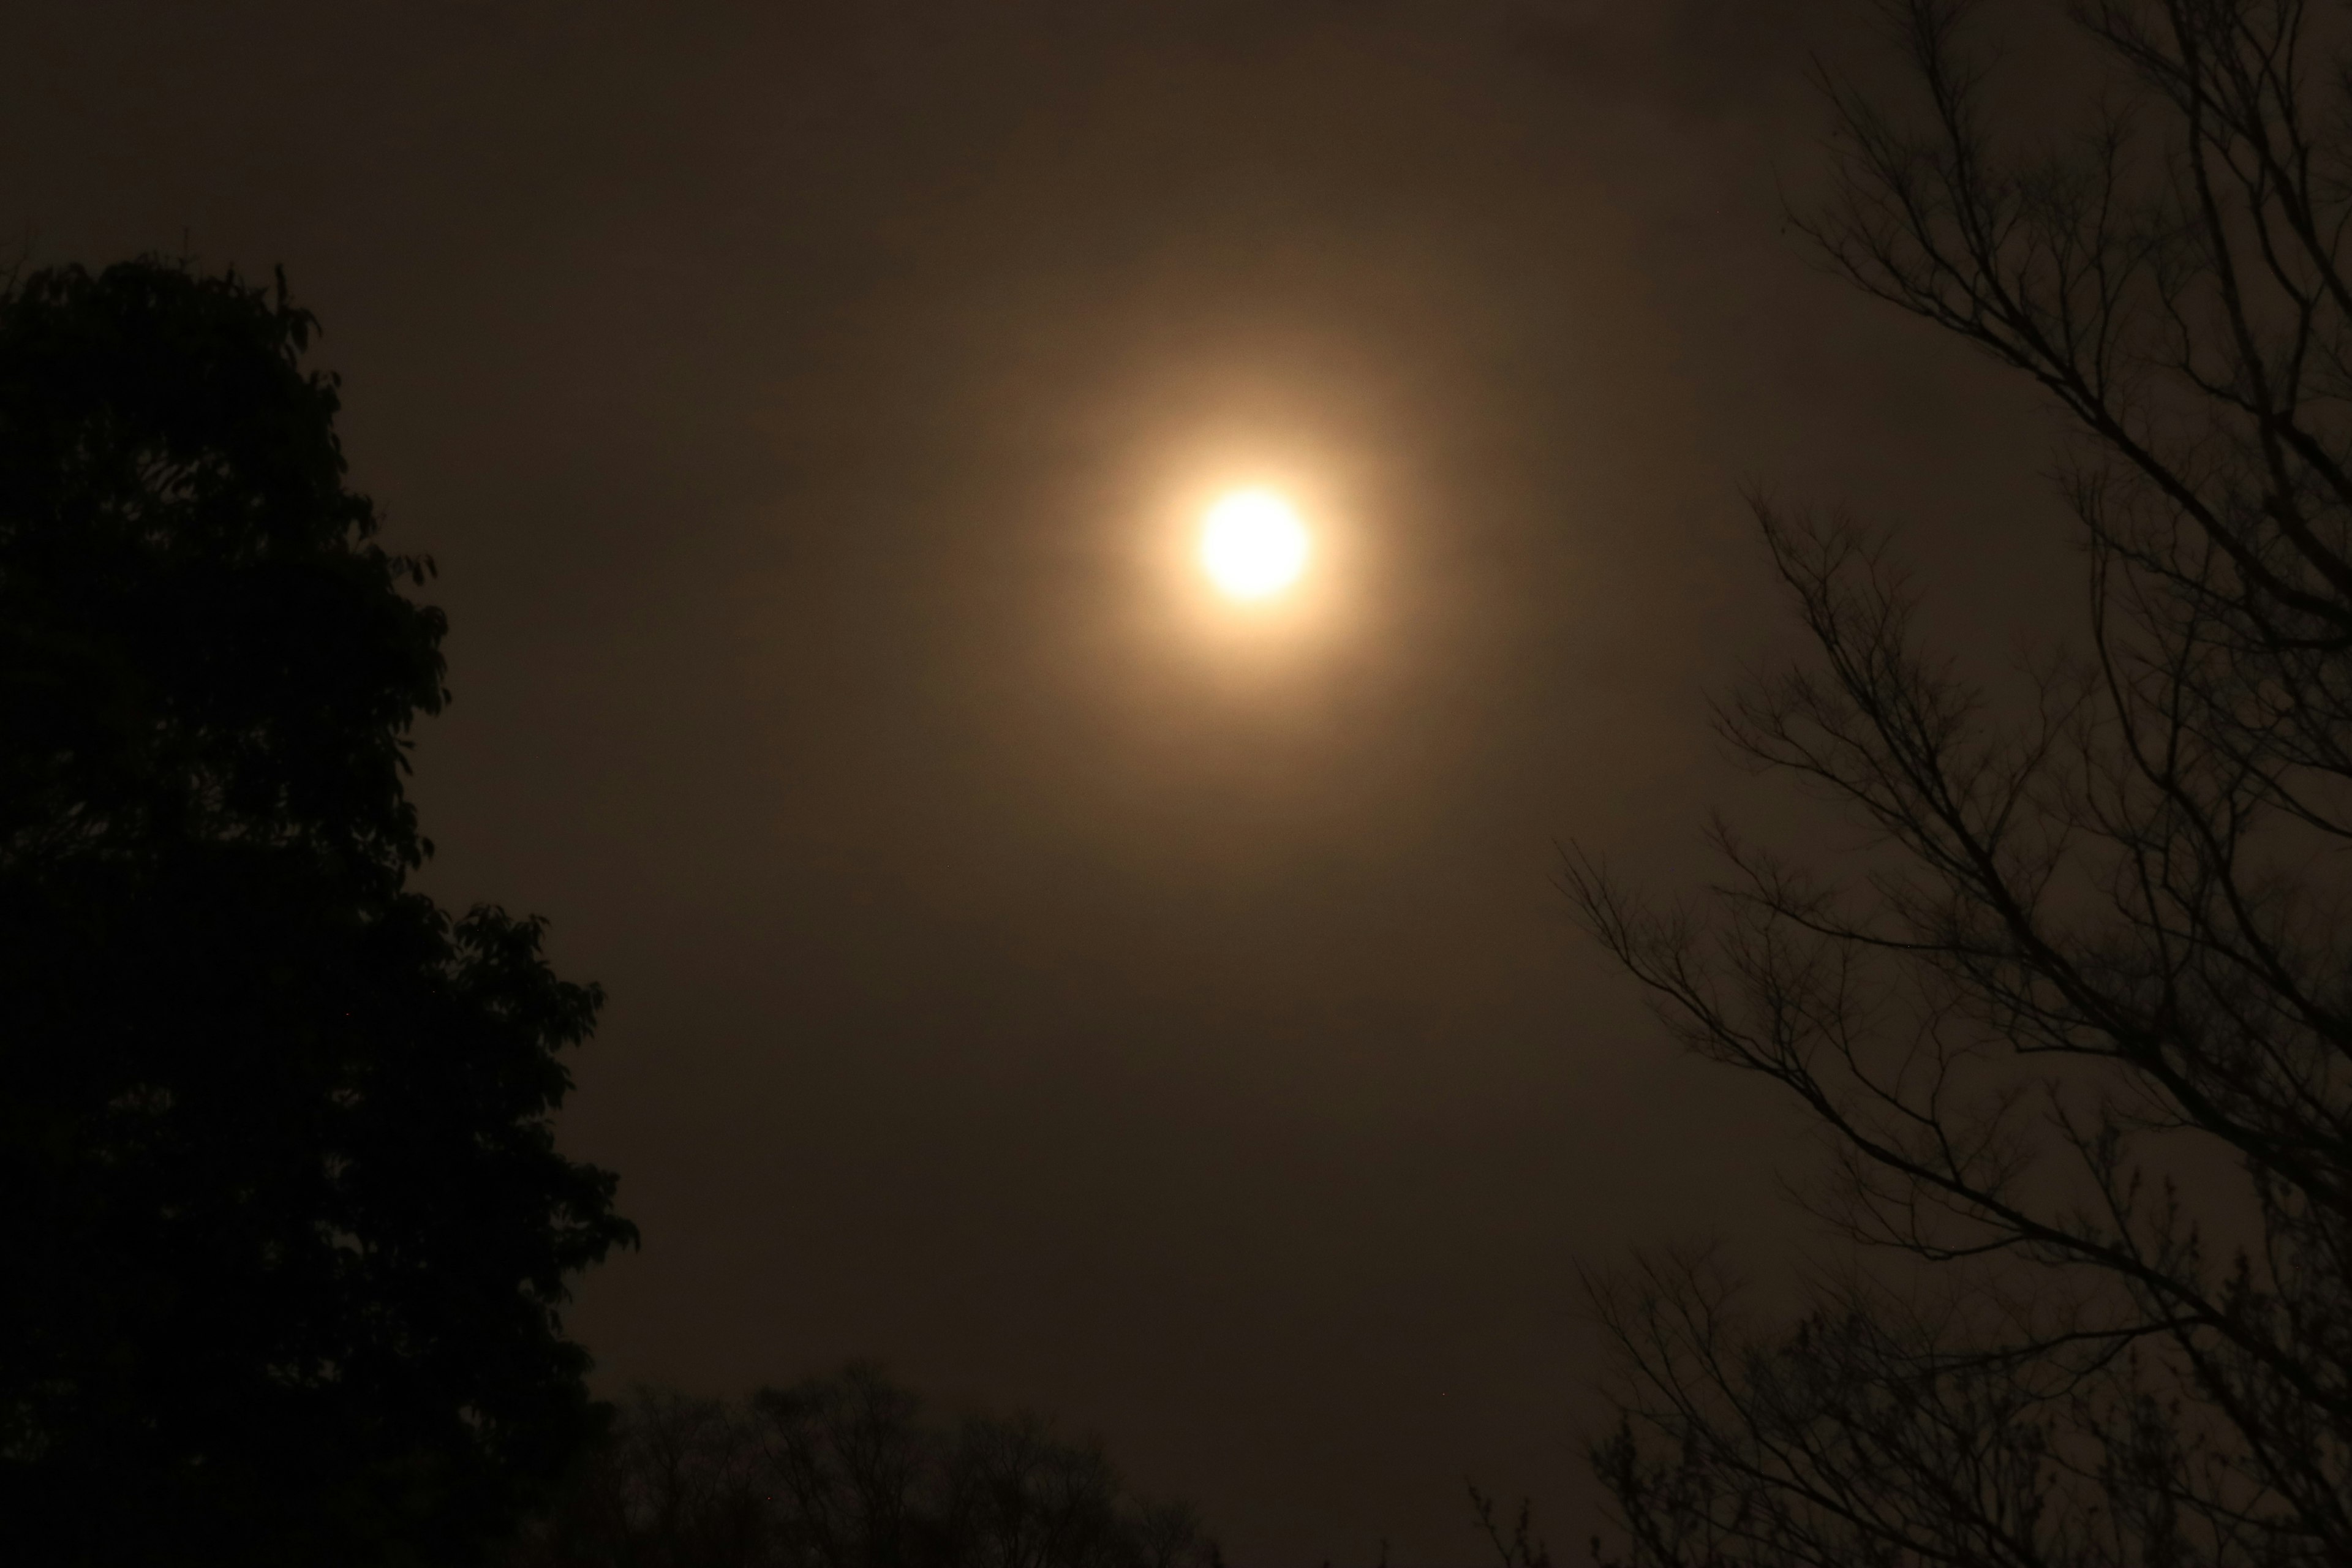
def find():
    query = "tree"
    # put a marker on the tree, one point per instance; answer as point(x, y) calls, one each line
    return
point(288, 1231)
point(2077, 1026)
point(851, 1472)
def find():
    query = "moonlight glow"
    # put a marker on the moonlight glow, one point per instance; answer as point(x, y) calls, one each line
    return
point(1253, 544)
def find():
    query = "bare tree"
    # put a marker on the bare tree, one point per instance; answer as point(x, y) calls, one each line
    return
point(2077, 1024)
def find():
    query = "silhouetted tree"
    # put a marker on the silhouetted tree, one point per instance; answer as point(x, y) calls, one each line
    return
point(1516, 1546)
point(287, 1229)
point(2078, 1022)
point(851, 1472)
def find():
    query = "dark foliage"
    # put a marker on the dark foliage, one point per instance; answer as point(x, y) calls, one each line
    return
point(287, 1227)
point(2076, 1024)
point(851, 1472)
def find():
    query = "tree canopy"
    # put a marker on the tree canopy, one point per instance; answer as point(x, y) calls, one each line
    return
point(288, 1229)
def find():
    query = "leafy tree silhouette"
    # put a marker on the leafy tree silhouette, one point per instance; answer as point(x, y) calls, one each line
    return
point(2076, 1022)
point(288, 1229)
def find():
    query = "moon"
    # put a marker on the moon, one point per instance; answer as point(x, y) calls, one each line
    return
point(1253, 545)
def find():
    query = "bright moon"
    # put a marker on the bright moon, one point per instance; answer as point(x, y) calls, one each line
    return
point(1253, 544)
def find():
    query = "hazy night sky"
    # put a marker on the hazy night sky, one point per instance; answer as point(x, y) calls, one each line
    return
point(1025, 970)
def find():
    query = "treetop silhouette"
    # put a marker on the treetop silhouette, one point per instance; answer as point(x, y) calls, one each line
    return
point(289, 1233)
point(2075, 1023)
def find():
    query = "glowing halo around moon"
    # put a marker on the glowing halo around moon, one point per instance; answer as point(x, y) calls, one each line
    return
point(1253, 545)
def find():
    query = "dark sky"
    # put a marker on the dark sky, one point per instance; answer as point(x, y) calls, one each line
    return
point(1023, 971)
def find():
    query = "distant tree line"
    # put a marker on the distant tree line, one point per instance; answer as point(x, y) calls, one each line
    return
point(849, 1471)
